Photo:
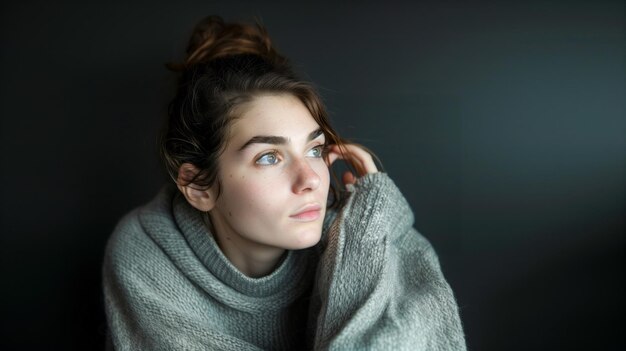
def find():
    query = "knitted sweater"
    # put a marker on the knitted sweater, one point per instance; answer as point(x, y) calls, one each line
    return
point(372, 282)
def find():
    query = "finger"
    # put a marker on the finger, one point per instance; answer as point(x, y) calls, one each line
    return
point(333, 154)
point(362, 157)
point(349, 178)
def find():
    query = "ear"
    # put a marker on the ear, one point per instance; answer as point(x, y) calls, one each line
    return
point(202, 199)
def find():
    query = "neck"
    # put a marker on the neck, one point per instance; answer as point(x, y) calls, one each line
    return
point(253, 259)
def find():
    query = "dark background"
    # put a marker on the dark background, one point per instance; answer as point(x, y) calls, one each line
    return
point(502, 123)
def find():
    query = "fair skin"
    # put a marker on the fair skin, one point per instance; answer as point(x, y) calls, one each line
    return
point(274, 184)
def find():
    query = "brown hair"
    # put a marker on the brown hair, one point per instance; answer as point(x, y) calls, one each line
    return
point(227, 64)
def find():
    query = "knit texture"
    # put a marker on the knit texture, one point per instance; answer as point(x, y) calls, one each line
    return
point(371, 283)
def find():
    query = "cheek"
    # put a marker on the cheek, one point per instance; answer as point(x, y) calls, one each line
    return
point(251, 196)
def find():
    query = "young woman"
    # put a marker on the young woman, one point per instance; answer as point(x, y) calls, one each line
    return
point(249, 249)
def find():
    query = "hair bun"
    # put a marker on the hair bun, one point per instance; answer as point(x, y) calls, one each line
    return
point(213, 38)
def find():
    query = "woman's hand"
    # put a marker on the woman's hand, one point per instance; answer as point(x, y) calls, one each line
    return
point(361, 159)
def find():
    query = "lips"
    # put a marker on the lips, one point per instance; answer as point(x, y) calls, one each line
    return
point(309, 212)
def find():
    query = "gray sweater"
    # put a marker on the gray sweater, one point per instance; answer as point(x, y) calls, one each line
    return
point(372, 282)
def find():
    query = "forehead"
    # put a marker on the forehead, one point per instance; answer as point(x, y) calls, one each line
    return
point(276, 115)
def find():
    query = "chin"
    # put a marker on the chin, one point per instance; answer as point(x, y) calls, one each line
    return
point(306, 240)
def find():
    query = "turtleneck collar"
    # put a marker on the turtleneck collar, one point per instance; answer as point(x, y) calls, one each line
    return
point(179, 229)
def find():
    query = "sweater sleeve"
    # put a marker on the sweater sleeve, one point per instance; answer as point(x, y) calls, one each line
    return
point(379, 282)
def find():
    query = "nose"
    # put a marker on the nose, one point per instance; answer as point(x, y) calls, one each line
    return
point(305, 177)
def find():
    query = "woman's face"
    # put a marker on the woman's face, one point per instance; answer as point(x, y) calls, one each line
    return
point(274, 181)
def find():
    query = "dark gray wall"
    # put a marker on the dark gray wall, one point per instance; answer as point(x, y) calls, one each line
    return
point(503, 124)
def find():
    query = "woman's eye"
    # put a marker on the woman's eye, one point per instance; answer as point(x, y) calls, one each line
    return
point(317, 151)
point(267, 159)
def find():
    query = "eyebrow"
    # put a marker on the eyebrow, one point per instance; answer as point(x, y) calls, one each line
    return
point(277, 140)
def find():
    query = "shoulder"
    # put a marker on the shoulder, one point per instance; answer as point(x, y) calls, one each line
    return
point(126, 238)
point(131, 244)
point(414, 243)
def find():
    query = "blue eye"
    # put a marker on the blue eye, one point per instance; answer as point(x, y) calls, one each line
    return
point(267, 159)
point(316, 152)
